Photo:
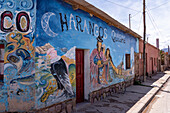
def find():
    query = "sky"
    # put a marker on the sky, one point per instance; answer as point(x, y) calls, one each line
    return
point(157, 17)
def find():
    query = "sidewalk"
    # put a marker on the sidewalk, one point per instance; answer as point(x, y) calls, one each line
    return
point(144, 101)
point(121, 103)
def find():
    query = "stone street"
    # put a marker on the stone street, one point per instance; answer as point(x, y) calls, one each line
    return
point(119, 102)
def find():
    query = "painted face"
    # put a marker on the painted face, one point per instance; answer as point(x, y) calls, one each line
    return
point(99, 46)
point(108, 52)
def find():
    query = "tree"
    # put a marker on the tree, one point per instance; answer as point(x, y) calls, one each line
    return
point(162, 57)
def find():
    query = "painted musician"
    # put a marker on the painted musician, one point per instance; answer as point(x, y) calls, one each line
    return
point(97, 64)
point(109, 60)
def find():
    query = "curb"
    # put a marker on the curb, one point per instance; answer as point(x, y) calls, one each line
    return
point(144, 101)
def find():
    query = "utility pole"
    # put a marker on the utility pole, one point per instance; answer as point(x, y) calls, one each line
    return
point(144, 35)
point(129, 21)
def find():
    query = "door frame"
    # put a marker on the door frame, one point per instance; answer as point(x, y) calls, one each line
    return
point(86, 73)
point(82, 57)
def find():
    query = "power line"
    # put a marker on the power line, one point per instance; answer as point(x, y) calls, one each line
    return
point(159, 6)
point(140, 22)
point(153, 22)
point(136, 14)
point(122, 6)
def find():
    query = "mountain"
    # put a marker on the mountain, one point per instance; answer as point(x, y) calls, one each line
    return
point(165, 49)
point(71, 53)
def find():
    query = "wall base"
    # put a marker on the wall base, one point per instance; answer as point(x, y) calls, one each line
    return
point(65, 107)
point(107, 91)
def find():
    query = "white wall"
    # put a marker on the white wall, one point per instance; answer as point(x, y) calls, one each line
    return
point(86, 73)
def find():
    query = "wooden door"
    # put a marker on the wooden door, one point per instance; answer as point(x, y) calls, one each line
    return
point(151, 65)
point(137, 66)
point(2, 52)
point(79, 75)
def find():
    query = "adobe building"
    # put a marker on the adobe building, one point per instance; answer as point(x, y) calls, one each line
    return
point(153, 60)
point(57, 53)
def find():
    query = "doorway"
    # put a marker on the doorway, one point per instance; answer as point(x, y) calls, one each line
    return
point(146, 64)
point(152, 65)
point(79, 75)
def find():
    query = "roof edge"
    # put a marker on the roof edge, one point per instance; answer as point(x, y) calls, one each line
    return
point(92, 10)
point(150, 45)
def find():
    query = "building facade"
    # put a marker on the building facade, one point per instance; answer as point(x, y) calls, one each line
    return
point(55, 52)
point(153, 60)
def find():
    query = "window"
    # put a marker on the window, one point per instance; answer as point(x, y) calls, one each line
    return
point(127, 61)
point(2, 51)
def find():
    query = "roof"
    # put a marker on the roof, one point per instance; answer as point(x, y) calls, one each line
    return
point(92, 10)
point(150, 45)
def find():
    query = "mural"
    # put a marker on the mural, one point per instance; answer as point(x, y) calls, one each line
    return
point(17, 30)
point(61, 30)
point(39, 67)
point(102, 69)
point(52, 74)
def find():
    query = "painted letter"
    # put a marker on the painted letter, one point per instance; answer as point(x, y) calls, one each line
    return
point(96, 29)
point(101, 32)
point(113, 33)
point(20, 21)
point(63, 22)
point(105, 34)
point(78, 19)
point(113, 36)
point(91, 28)
point(72, 20)
point(3, 15)
point(85, 27)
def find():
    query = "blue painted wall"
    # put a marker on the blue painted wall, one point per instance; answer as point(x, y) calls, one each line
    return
point(17, 31)
point(62, 29)
point(39, 62)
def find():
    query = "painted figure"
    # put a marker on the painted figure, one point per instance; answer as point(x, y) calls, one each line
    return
point(108, 66)
point(97, 65)
point(60, 73)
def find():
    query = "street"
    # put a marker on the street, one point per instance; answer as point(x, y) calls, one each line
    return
point(119, 103)
point(161, 102)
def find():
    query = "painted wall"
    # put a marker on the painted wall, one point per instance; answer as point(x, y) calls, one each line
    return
point(59, 30)
point(17, 30)
point(39, 67)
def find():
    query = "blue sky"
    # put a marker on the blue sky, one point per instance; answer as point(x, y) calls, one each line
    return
point(157, 17)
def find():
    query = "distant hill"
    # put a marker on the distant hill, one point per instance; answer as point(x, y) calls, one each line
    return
point(165, 49)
